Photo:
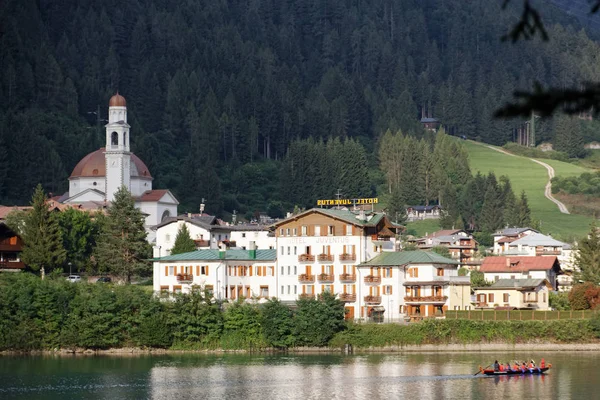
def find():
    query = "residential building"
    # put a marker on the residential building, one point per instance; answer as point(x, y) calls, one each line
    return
point(459, 289)
point(417, 213)
point(228, 274)
point(496, 268)
point(11, 246)
point(318, 250)
point(504, 237)
point(461, 245)
point(243, 234)
point(410, 285)
point(523, 294)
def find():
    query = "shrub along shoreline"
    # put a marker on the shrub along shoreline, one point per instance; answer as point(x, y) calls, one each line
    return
point(58, 316)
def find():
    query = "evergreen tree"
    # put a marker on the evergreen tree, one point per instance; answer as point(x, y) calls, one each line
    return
point(396, 208)
point(449, 203)
point(587, 258)
point(183, 241)
point(523, 213)
point(42, 243)
point(79, 234)
point(122, 248)
point(568, 136)
point(492, 211)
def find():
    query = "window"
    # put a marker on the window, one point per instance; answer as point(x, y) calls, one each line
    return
point(437, 290)
point(327, 288)
point(177, 289)
point(281, 250)
point(387, 272)
point(304, 230)
point(164, 290)
point(204, 270)
point(288, 251)
point(209, 289)
point(331, 230)
point(281, 232)
point(295, 231)
point(289, 270)
point(287, 231)
point(491, 298)
point(264, 291)
point(295, 250)
point(413, 272)
point(295, 270)
point(167, 238)
point(505, 297)
point(317, 230)
point(348, 229)
point(288, 289)
point(496, 277)
point(512, 277)
point(457, 307)
point(171, 270)
point(114, 139)
point(243, 235)
point(440, 272)
point(544, 297)
point(310, 289)
point(295, 289)
point(282, 271)
point(387, 289)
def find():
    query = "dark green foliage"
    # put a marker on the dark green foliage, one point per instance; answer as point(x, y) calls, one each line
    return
point(568, 137)
point(122, 248)
point(478, 280)
point(79, 233)
point(316, 321)
point(587, 258)
point(587, 183)
point(196, 321)
point(43, 248)
point(242, 327)
point(441, 250)
point(559, 301)
point(277, 324)
point(183, 241)
point(579, 296)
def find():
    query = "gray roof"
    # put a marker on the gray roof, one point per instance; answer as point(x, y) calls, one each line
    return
point(512, 231)
point(428, 119)
point(211, 255)
point(517, 283)
point(396, 258)
point(208, 222)
point(537, 239)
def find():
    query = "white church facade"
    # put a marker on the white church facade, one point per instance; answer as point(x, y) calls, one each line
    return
point(97, 177)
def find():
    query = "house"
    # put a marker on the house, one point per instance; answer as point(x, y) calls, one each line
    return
point(11, 246)
point(411, 285)
point(430, 124)
point(532, 294)
point(504, 237)
point(496, 268)
point(319, 249)
point(537, 244)
point(243, 234)
point(417, 213)
point(459, 289)
point(461, 245)
point(229, 274)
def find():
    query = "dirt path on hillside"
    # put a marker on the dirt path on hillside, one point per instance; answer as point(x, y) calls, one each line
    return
point(548, 189)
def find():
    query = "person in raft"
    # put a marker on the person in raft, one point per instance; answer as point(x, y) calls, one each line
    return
point(496, 366)
point(542, 363)
point(508, 368)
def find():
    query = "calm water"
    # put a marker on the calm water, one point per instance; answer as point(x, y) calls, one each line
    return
point(412, 376)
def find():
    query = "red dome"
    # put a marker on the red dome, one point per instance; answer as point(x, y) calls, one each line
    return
point(94, 165)
point(117, 101)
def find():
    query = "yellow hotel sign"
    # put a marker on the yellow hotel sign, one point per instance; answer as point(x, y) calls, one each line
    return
point(347, 202)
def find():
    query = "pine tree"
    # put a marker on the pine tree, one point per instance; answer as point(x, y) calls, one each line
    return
point(43, 248)
point(588, 257)
point(183, 241)
point(449, 203)
point(492, 211)
point(122, 248)
point(523, 215)
point(396, 208)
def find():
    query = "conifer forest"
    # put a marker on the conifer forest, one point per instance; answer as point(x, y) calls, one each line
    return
point(261, 105)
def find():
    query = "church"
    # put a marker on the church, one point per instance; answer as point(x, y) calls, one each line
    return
point(97, 177)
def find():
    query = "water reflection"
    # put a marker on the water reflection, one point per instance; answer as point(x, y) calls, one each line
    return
point(195, 376)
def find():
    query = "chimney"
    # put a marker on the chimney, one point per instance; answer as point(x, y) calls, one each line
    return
point(222, 249)
point(252, 249)
point(508, 262)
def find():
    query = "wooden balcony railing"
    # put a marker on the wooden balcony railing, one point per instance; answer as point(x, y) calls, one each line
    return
point(305, 278)
point(202, 243)
point(306, 258)
point(347, 257)
point(347, 278)
point(307, 296)
point(373, 299)
point(348, 297)
point(325, 257)
point(372, 279)
point(426, 298)
point(12, 265)
point(325, 278)
point(185, 278)
point(548, 252)
point(380, 238)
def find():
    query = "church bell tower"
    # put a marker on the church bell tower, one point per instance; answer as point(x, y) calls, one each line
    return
point(117, 154)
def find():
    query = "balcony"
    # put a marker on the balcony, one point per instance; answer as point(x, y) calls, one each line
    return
point(380, 238)
point(348, 297)
point(325, 278)
point(347, 278)
point(548, 252)
point(307, 296)
point(372, 299)
point(325, 257)
point(185, 278)
point(347, 257)
point(306, 258)
point(305, 278)
point(202, 243)
point(12, 265)
point(428, 299)
point(373, 279)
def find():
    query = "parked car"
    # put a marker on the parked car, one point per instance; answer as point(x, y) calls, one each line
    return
point(74, 278)
point(104, 279)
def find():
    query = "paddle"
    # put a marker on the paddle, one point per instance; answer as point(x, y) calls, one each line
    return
point(478, 372)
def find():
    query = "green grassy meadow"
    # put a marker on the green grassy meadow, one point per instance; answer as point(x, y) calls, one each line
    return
point(423, 227)
point(531, 177)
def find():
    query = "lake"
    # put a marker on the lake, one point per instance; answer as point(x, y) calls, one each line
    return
point(233, 376)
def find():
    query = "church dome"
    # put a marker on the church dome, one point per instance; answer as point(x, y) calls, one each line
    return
point(117, 101)
point(94, 165)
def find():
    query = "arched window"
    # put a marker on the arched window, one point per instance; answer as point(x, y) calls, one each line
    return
point(114, 139)
point(165, 215)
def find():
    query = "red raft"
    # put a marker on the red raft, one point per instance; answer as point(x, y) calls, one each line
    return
point(526, 371)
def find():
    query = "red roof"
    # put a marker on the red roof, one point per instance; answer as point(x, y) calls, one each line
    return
point(510, 264)
point(152, 195)
point(94, 165)
point(446, 232)
point(506, 239)
point(5, 210)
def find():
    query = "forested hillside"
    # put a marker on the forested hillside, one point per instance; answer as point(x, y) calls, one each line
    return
point(218, 90)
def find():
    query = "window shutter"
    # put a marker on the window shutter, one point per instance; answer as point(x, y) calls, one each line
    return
point(391, 289)
point(207, 270)
point(250, 270)
point(166, 270)
point(391, 272)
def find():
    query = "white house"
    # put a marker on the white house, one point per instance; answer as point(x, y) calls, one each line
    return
point(243, 234)
point(496, 268)
point(504, 237)
point(227, 274)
